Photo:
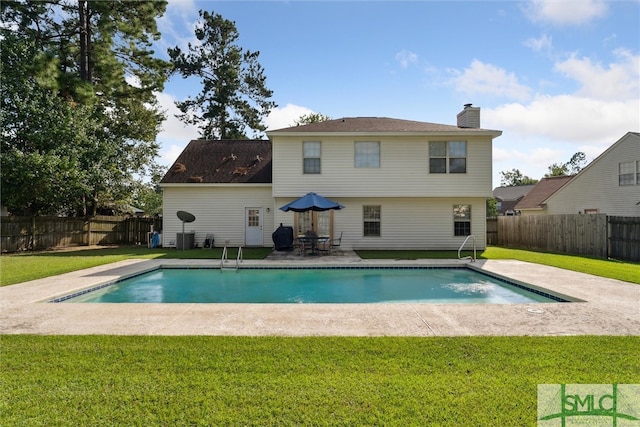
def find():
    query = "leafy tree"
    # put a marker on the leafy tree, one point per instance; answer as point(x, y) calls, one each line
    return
point(572, 167)
point(514, 178)
point(96, 57)
point(234, 95)
point(41, 133)
point(148, 195)
point(557, 169)
point(306, 119)
point(492, 207)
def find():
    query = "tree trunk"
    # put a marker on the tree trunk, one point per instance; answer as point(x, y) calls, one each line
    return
point(85, 40)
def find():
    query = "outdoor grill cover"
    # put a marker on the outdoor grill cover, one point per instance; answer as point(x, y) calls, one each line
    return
point(283, 238)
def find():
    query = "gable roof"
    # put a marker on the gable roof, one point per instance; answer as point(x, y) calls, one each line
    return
point(541, 191)
point(222, 162)
point(371, 125)
point(512, 193)
point(634, 137)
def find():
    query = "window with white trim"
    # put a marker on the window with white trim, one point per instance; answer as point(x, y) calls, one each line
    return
point(311, 157)
point(371, 220)
point(461, 220)
point(627, 173)
point(448, 157)
point(367, 154)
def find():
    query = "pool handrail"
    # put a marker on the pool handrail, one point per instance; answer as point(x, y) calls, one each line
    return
point(239, 258)
point(472, 257)
point(225, 258)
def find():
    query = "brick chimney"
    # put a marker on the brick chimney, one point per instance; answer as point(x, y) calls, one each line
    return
point(469, 117)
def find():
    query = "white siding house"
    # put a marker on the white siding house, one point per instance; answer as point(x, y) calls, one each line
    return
point(404, 184)
point(610, 184)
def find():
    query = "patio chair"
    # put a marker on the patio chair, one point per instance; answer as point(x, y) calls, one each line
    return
point(335, 243)
point(208, 242)
point(324, 245)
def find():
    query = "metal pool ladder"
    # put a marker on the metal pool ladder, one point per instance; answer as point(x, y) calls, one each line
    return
point(225, 258)
point(472, 257)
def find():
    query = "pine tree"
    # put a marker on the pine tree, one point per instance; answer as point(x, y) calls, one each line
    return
point(234, 97)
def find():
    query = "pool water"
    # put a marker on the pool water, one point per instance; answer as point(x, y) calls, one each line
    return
point(359, 285)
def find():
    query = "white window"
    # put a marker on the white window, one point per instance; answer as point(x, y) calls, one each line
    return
point(627, 173)
point(371, 220)
point(367, 154)
point(448, 157)
point(311, 157)
point(461, 220)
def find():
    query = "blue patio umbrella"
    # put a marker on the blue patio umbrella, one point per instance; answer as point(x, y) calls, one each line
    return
point(311, 202)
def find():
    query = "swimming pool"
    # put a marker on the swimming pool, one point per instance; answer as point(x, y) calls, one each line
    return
point(313, 285)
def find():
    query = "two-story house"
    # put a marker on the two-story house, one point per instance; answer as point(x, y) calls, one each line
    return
point(404, 184)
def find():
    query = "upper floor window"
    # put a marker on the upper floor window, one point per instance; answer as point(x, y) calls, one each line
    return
point(371, 220)
point(628, 173)
point(311, 156)
point(448, 157)
point(367, 154)
point(461, 220)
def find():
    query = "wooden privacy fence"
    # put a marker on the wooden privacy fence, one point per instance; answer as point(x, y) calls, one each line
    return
point(624, 237)
point(595, 235)
point(42, 232)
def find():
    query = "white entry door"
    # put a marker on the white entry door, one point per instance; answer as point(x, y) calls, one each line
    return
point(253, 227)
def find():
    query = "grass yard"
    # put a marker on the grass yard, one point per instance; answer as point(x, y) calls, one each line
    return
point(194, 381)
point(22, 267)
point(198, 381)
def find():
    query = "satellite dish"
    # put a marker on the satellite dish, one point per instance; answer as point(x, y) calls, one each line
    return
point(186, 216)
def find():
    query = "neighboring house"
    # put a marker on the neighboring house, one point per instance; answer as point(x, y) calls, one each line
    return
point(610, 184)
point(508, 197)
point(534, 202)
point(404, 184)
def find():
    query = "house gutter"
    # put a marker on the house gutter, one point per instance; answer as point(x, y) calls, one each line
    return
point(209, 184)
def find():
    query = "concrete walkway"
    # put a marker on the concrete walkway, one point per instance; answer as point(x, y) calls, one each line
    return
point(609, 307)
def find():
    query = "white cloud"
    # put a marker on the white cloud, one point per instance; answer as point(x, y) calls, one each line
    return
point(169, 155)
point(544, 43)
point(177, 25)
point(283, 117)
point(406, 58)
point(617, 81)
point(173, 131)
point(487, 79)
point(561, 12)
point(566, 118)
point(172, 127)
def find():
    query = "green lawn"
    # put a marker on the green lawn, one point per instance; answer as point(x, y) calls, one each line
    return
point(192, 381)
point(197, 381)
point(21, 267)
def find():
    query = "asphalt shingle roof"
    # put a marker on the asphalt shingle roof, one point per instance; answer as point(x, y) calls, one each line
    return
point(374, 125)
point(222, 161)
point(541, 192)
point(512, 193)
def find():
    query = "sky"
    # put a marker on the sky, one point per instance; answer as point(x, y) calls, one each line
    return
point(555, 76)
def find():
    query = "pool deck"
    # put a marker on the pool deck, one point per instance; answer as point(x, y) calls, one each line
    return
point(608, 307)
